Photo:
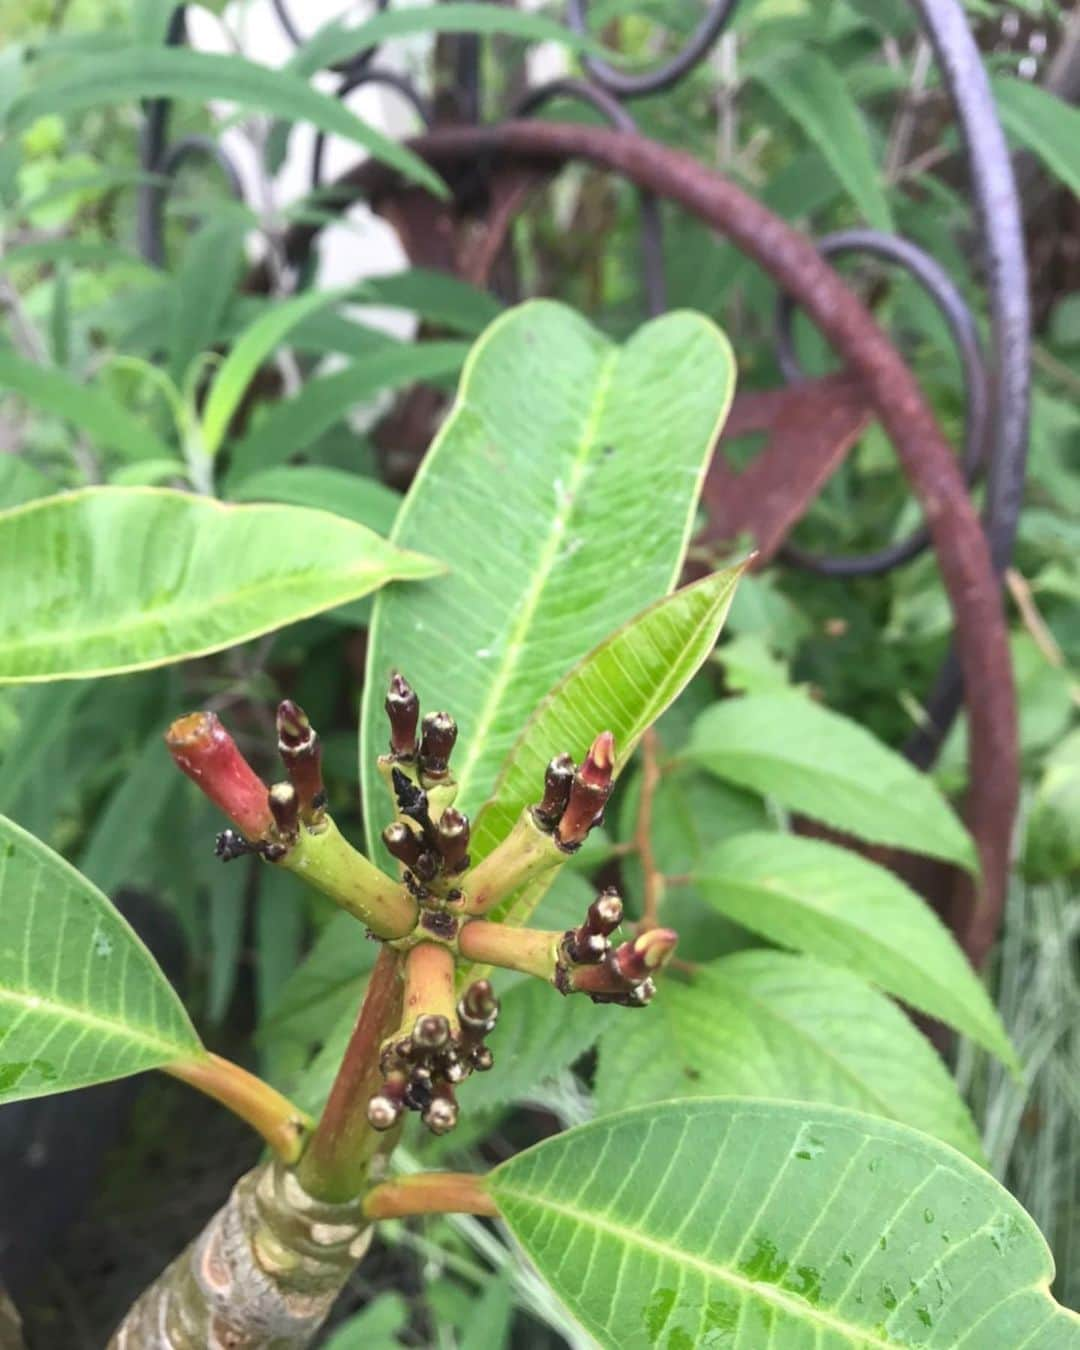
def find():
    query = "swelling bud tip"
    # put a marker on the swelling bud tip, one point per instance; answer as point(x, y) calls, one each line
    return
point(437, 744)
point(403, 710)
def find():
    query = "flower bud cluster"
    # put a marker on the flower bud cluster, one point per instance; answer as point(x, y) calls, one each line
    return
point(420, 1070)
point(574, 798)
point(589, 964)
point(438, 733)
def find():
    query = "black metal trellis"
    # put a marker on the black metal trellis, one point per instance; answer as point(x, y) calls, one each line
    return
point(997, 382)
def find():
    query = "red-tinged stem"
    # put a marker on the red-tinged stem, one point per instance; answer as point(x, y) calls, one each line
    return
point(336, 1163)
point(281, 1124)
point(525, 949)
point(430, 1193)
point(206, 752)
point(653, 887)
point(429, 984)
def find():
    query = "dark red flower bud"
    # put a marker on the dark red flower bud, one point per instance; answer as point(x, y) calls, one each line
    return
point(285, 808)
point(558, 779)
point(478, 1007)
point(437, 744)
point(588, 792)
point(431, 1032)
point(301, 754)
point(453, 832)
point(387, 1105)
point(402, 843)
point(605, 913)
point(645, 954)
point(403, 710)
point(441, 1114)
point(206, 752)
point(481, 1058)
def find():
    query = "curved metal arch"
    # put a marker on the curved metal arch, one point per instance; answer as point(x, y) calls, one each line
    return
point(652, 224)
point(946, 297)
point(356, 80)
point(354, 64)
point(665, 76)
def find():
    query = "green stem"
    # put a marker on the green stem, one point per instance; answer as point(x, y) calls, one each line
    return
point(281, 1124)
point(526, 853)
point(524, 949)
point(327, 861)
point(430, 1193)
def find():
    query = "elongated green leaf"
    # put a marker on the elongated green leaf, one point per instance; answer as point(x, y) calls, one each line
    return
point(336, 42)
point(757, 1224)
point(817, 762)
point(436, 296)
point(203, 288)
point(811, 90)
point(769, 1024)
point(112, 579)
point(827, 901)
point(81, 999)
point(365, 500)
point(561, 491)
point(1044, 124)
point(82, 252)
point(375, 1328)
point(623, 686)
point(248, 353)
point(105, 421)
point(322, 993)
point(140, 71)
point(291, 426)
point(114, 849)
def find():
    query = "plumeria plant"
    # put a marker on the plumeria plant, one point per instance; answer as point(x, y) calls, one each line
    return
point(777, 1155)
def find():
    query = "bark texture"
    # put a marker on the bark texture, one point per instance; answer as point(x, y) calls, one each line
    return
point(262, 1275)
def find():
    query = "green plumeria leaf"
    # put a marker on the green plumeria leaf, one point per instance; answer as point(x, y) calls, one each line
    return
point(831, 769)
point(112, 579)
point(622, 686)
point(830, 903)
point(769, 1024)
point(81, 999)
point(556, 435)
point(742, 1222)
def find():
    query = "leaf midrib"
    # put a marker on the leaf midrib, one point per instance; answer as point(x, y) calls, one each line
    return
point(50, 1006)
point(180, 611)
point(513, 647)
point(768, 1293)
